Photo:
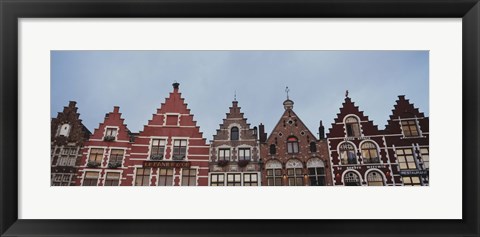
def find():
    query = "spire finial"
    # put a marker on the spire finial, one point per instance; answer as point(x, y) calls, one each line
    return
point(235, 95)
point(287, 90)
point(346, 94)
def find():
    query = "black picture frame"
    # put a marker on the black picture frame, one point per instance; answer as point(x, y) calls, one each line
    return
point(11, 11)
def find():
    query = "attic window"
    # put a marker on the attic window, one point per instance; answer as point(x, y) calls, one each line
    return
point(64, 130)
point(234, 134)
point(292, 145)
point(409, 128)
point(352, 126)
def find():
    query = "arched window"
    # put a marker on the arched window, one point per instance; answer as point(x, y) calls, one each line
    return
point(313, 147)
point(370, 153)
point(273, 149)
point(316, 172)
point(351, 179)
point(347, 153)
point(274, 173)
point(352, 126)
point(374, 178)
point(234, 134)
point(292, 145)
point(294, 172)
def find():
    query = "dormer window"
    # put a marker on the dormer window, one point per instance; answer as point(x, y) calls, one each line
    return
point(64, 130)
point(409, 128)
point(234, 134)
point(292, 145)
point(352, 126)
point(110, 134)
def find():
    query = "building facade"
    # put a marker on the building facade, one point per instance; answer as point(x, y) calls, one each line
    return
point(358, 150)
point(105, 153)
point(407, 136)
point(292, 155)
point(171, 150)
point(234, 152)
point(68, 135)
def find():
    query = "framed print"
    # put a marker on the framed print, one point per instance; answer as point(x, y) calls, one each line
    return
point(141, 99)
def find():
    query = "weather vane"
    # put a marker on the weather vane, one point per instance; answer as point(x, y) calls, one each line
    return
point(346, 93)
point(287, 90)
point(235, 95)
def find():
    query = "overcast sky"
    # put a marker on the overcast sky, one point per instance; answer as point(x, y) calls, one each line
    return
point(139, 81)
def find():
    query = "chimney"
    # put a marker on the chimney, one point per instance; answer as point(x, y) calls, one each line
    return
point(263, 135)
point(175, 86)
point(72, 104)
point(116, 109)
point(255, 133)
point(321, 131)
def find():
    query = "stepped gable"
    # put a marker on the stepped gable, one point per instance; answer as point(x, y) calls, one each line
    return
point(282, 126)
point(403, 109)
point(78, 133)
point(113, 119)
point(236, 115)
point(173, 113)
point(348, 107)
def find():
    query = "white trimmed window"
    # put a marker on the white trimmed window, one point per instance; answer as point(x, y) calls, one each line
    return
point(410, 128)
point(112, 179)
point(411, 181)
point(217, 180)
point(352, 126)
point(142, 177)
point(234, 179)
point(370, 153)
point(374, 178)
point(347, 153)
point(189, 177)
point(157, 149)
point(179, 149)
point(405, 158)
point(244, 154)
point(165, 177)
point(91, 178)
point(224, 154)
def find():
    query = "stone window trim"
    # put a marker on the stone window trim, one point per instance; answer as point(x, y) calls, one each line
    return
point(410, 127)
point(179, 148)
point(223, 151)
point(293, 145)
point(229, 130)
point(358, 177)
point(90, 177)
point(64, 129)
point(110, 132)
point(370, 177)
point(350, 160)
point(112, 181)
point(156, 142)
point(366, 148)
point(114, 155)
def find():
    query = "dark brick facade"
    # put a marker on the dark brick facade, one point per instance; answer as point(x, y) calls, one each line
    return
point(234, 152)
point(68, 135)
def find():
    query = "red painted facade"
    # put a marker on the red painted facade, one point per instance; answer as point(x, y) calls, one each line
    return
point(171, 138)
point(104, 154)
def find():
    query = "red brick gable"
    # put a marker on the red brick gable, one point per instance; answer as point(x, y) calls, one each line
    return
point(113, 119)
